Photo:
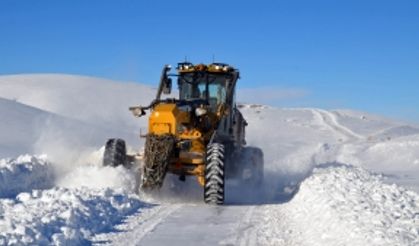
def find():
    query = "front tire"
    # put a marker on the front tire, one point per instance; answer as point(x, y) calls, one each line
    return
point(158, 151)
point(115, 153)
point(214, 174)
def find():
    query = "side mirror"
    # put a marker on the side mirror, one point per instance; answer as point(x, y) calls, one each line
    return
point(137, 111)
point(167, 86)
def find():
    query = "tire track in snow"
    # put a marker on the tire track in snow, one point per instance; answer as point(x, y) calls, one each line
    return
point(138, 226)
point(330, 120)
point(149, 225)
point(247, 229)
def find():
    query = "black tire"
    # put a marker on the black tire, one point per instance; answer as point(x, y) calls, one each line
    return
point(115, 153)
point(253, 166)
point(214, 174)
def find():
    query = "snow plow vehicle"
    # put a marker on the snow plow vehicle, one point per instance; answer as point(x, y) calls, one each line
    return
point(201, 133)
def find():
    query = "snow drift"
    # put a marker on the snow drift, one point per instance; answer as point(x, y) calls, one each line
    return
point(44, 209)
point(24, 174)
point(61, 216)
point(341, 205)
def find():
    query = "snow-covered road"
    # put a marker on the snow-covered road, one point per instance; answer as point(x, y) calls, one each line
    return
point(336, 205)
point(186, 223)
point(331, 177)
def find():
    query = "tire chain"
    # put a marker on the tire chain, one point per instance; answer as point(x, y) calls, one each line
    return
point(157, 154)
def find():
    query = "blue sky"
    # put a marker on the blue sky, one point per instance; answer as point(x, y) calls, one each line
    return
point(361, 55)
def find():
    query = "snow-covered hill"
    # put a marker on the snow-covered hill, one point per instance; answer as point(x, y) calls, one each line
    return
point(21, 126)
point(26, 129)
point(63, 115)
point(101, 101)
point(332, 177)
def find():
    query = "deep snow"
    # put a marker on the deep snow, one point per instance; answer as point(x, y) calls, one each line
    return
point(61, 216)
point(332, 177)
point(24, 174)
point(344, 205)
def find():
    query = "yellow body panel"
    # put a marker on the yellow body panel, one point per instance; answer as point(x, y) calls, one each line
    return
point(164, 119)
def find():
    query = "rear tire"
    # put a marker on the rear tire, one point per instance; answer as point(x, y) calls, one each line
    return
point(253, 167)
point(214, 175)
point(115, 153)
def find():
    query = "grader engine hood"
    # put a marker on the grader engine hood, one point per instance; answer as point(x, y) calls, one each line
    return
point(167, 119)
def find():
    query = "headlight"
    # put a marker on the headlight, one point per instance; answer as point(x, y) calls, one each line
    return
point(200, 111)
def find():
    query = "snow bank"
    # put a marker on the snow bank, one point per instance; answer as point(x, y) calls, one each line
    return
point(400, 154)
point(346, 205)
point(27, 173)
point(85, 201)
point(24, 173)
point(96, 177)
point(62, 216)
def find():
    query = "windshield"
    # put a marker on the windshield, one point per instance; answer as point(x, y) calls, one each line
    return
point(203, 86)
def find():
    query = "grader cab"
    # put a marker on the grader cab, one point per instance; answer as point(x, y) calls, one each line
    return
point(201, 133)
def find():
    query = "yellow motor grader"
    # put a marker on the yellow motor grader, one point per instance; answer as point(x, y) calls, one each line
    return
point(201, 133)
